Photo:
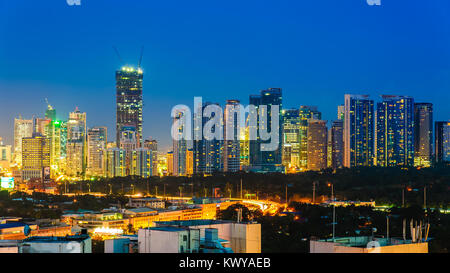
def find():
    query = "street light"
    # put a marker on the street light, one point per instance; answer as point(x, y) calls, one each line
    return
point(334, 209)
point(110, 189)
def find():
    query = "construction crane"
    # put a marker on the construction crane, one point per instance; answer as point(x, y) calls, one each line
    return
point(140, 58)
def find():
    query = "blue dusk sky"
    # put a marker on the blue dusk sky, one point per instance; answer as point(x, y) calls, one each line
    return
point(316, 50)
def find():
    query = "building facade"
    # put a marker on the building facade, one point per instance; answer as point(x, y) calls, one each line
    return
point(442, 141)
point(317, 145)
point(76, 152)
point(35, 156)
point(358, 131)
point(232, 133)
point(337, 144)
point(97, 138)
point(423, 134)
point(394, 137)
point(129, 101)
point(267, 161)
point(22, 128)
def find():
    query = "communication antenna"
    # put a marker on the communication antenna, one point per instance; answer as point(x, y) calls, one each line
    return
point(140, 57)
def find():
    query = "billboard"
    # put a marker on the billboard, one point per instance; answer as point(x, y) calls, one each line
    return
point(7, 182)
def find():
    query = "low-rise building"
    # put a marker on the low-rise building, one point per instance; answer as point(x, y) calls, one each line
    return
point(169, 240)
point(244, 237)
point(68, 244)
point(149, 202)
point(366, 244)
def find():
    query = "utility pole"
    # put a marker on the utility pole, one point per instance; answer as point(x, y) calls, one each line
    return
point(286, 197)
point(314, 193)
point(148, 186)
point(156, 190)
point(241, 187)
point(425, 197)
point(333, 198)
point(387, 227)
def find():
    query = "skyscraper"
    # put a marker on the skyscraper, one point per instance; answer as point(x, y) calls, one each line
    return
point(5, 155)
point(22, 128)
point(291, 138)
point(341, 112)
point(231, 147)
point(337, 144)
point(179, 148)
point(442, 141)
point(306, 113)
point(317, 145)
point(267, 161)
point(152, 145)
point(129, 101)
point(358, 131)
point(116, 164)
point(208, 154)
point(142, 162)
point(423, 136)
point(394, 137)
point(76, 144)
point(35, 156)
point(96, 150)
point(189, 162)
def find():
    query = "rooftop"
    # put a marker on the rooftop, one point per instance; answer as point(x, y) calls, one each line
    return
point(201, 222)
point(53, 239)
point(362, 241)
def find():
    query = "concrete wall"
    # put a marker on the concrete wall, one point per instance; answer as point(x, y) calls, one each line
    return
point(156, 241)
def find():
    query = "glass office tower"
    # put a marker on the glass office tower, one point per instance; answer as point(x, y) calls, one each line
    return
point(423, 136)
point(358, 131)
point(394, 137)
point(129, 101)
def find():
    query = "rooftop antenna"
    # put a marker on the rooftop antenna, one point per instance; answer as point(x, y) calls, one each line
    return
point(118, 55)
point(140, 58)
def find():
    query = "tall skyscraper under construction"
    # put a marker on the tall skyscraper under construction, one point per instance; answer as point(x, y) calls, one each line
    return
point(129, 101)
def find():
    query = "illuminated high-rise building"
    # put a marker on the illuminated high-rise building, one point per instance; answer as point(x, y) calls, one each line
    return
point(394, 135)
point(42, 126)
point(442, 141)
point(317, 145)
point(306, 114)
point(189, 162)
point(337, 144)
point(152, 145)
point(231, 144)
point(116, 164)
point(35, 156)
point(179, 148)
point(22, 128)
point(129, 101)
point(358, 131)
point(423, 136)
point(142, 163)
point(207, 153)
point(244, 146)
point(97, 138)
point(169, 158)
point(76, 144)
point(341, 112)
point(267, 161)
point(291, 139)
point(5, 155)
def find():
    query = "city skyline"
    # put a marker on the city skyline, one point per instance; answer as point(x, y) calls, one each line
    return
point(238, 69)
